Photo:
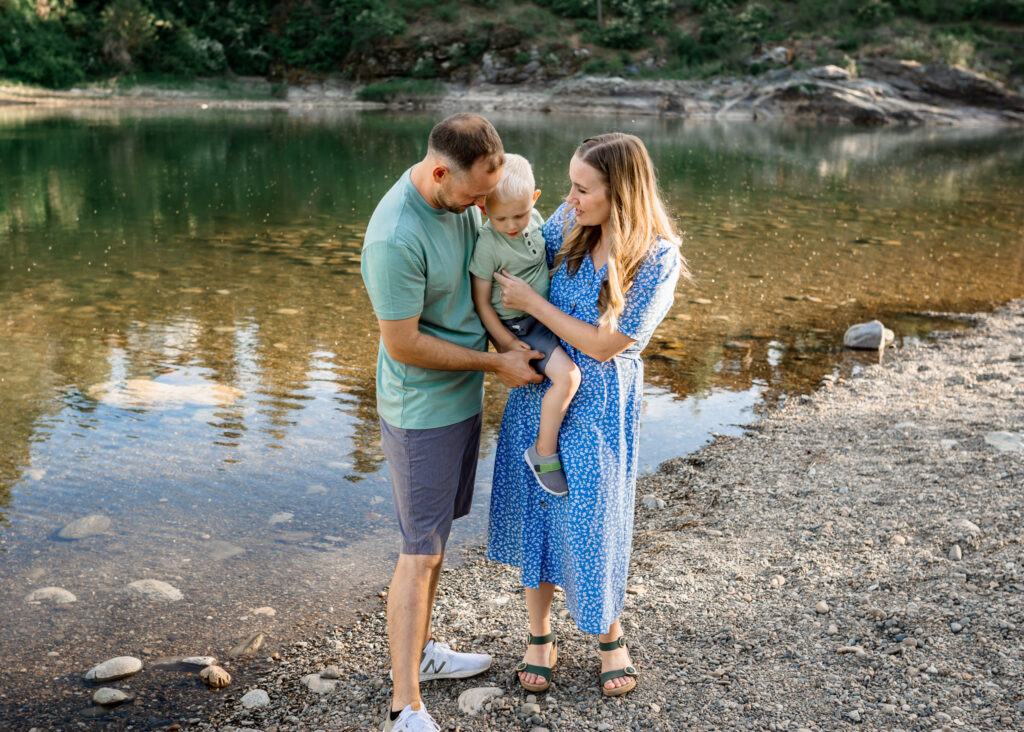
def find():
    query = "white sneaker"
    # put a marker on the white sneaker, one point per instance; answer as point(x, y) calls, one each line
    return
point(412, 720)
point(441, 662)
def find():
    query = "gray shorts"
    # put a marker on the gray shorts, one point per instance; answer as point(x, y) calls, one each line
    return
point(432, 475)
point(536, 335)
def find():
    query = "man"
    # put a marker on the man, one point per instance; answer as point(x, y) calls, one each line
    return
point(433, 348)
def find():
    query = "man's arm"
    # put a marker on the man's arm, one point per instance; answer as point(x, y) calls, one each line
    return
point(406, 343)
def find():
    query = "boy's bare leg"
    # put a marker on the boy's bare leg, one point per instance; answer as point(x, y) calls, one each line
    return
point(565, 380)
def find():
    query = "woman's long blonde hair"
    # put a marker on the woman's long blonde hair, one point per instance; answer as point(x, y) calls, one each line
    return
point(637, 218)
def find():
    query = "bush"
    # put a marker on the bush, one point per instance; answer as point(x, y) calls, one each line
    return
point(126, 28)
point(38, 51)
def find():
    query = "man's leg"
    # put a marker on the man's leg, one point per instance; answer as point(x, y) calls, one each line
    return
point(410, 603)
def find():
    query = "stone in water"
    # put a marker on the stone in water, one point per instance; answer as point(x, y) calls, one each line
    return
point(870, 336)
point(215, 677)
point(56, 595)
point(108, 697)
point(152, 589)
point(201, 661)
point(114, 668)
point(86, 526)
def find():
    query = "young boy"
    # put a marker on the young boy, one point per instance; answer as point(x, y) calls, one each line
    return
point(512, 240)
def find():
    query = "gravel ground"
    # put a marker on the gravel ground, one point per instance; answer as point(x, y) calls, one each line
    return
point(854, 561)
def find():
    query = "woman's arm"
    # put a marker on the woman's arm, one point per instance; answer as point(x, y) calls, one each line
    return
point(600, 343)
point(500, 335)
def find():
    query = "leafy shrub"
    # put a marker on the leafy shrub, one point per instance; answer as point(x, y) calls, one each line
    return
point(126, 28)
point(37, 51)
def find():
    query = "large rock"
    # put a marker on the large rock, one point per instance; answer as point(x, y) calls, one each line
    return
point(114, 668)
point(152, 589)
point(56, 595)
point(201, 661)
point(90, 525)
point(870, 336)
point(472, 701)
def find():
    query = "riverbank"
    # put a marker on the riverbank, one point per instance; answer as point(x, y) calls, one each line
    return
point(877, 91)
point(855, 559)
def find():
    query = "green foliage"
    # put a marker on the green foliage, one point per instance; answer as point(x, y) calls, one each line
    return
point(398, 89)
point(38, 51)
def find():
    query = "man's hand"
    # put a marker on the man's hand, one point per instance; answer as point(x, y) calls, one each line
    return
point(514, 367)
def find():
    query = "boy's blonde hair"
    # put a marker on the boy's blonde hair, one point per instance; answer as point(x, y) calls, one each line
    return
point(516, 179)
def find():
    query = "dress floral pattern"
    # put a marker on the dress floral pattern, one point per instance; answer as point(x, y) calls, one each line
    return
point(581, 541)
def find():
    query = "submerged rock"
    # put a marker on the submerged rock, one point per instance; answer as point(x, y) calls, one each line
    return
point(869, 336)
point(108, 697)
point(248, 646)
point(152, 589)
point(115, 668)
point(90, 525)
point(218, 549)
point(1006, 441)
point(56, 595)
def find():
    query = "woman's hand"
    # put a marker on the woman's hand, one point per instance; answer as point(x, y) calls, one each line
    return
point(516, 294)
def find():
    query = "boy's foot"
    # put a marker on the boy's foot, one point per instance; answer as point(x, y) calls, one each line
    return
point(412, 720)
point(548, 471)
point(441, 662)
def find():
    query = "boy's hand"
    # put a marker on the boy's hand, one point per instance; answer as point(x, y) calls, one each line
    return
point(513, 344)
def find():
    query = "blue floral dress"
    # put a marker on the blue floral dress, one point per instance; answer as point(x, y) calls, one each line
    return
point(581, 541)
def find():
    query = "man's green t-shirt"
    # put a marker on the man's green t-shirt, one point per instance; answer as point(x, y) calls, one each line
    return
point(416, 262)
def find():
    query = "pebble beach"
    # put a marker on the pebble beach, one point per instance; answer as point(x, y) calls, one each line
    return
point(855, 560)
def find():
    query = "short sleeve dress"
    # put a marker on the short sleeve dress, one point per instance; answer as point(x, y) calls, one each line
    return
point(582, 541)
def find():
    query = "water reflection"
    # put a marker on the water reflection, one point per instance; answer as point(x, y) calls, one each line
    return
point(187, 347)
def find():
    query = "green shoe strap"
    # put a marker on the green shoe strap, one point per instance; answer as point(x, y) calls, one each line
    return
point(620, 642)
point(539, 640)
point(543, 468)
point(543, 671)
point(609, 675)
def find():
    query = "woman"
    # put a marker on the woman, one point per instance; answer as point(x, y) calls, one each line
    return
point(616, 261)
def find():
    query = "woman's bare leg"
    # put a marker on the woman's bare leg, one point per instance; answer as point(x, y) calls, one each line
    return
point(613, 660)
point(538, 604)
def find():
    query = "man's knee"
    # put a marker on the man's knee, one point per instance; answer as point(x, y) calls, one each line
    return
point(421, 562)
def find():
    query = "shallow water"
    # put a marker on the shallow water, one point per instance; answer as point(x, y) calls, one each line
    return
point(187, 348)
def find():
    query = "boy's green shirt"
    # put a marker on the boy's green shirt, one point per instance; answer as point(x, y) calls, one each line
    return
point(416, 262)
point(522, 255)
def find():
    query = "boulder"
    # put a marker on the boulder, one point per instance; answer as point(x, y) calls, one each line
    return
point(114, 668)
point(108, 697)
point(56, 595)
point(95, 523)
point(871, 336)
point(151, 589)
point(215, 677)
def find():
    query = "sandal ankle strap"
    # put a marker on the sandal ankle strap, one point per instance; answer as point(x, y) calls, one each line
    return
point(539, 640)
point(614, 645)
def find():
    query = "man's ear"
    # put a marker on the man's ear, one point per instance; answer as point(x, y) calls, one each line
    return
point(438, 173)
point(536, 195)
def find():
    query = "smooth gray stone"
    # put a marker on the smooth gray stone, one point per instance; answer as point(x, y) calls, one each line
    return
point(56, 595)
point(108, 697)
point(870, 336)
point(90, 525)
point(152, 589)
point(114, 668)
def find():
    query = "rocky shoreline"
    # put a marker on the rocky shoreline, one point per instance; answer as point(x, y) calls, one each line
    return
point(878, 91)
point(854, 561)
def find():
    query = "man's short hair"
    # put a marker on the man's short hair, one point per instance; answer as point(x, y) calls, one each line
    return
point(516, 179)
point(463, 139)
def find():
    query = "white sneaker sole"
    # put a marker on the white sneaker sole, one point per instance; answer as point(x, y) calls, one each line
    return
point(446, 675)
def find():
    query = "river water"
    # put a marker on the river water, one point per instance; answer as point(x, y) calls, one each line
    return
point(186, 348)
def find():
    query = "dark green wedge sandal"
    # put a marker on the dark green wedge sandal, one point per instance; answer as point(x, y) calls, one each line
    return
point(629, 671)
point(542, 671)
